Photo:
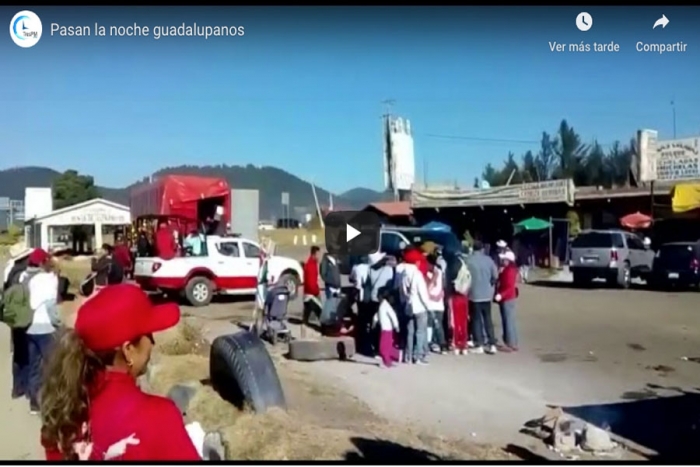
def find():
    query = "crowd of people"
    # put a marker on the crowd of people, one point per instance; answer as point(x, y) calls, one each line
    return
point(423, 302)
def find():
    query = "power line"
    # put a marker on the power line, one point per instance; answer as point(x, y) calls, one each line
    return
point(477, 139)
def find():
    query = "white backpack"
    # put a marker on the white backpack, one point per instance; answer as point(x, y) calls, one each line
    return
point(464, 278)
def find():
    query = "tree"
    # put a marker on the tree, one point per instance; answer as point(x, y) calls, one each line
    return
point(491, 175)
point(565, 156)
point(71, 188)
point(545, 160)
point(477, 183)
point(529, 171)
point(594, 170)
point(571, 154)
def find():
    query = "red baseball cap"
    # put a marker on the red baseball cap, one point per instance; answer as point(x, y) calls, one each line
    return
point(120, 313)
point(37, 257)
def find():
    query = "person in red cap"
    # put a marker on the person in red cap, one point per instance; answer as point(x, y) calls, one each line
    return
point(92, 408)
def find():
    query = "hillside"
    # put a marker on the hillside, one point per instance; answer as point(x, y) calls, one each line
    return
point(270, 181)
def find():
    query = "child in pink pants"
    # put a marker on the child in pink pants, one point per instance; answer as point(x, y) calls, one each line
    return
point(388, 325)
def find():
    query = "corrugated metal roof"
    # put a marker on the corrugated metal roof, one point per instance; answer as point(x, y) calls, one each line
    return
point(393, 208)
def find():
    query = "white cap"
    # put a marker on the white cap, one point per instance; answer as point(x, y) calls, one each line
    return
point(508, 256)
point(501, 244)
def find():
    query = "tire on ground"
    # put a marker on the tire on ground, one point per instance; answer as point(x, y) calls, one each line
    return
point(243, 373)
point(325, 348)
point(194, 291)
point(289, 277)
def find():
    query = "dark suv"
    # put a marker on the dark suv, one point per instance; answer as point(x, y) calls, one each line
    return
point(676, 263)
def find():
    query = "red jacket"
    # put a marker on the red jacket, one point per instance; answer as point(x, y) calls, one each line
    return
point(122, 255)
point(166, 247)
point(311, 286)
point(507, 285)
point(127, 424)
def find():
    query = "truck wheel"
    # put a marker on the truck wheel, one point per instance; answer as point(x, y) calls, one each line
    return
point(624, 278)
point(243, 373)
point(199, 291)
point(291, 282)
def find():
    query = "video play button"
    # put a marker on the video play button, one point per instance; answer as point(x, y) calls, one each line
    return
point(352, 232)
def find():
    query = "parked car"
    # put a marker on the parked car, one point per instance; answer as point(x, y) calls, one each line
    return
point(676, 264)
point(394, 239)
point(614, 255)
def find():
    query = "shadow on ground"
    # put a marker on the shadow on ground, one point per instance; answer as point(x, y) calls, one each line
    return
point(590, 286)
point(379, 451)
point(667, 425)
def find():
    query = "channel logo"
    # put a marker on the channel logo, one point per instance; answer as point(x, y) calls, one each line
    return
point(25, 29)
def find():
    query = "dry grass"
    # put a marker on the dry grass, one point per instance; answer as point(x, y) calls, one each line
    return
point(285, 237)
point(183, 339)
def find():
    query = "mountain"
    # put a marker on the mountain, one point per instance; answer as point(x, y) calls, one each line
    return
point(270, 181)
point(365, 196)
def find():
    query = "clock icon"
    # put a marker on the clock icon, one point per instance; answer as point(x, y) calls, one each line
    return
point(584, 21)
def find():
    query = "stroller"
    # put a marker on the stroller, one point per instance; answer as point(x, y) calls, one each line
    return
point(271, 321)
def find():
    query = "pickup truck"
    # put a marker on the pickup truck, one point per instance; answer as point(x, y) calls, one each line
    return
point(227, 266)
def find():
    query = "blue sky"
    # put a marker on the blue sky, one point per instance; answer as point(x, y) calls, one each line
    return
point(302, 88)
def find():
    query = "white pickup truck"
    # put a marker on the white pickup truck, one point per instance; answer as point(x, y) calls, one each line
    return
point(229, 266)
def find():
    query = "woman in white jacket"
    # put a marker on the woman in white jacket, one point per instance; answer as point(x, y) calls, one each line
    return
point(43, 300)
point(415, 290)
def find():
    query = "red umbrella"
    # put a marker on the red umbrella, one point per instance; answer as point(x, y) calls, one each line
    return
point(636, 220)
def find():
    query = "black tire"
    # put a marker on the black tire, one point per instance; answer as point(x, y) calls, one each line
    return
point(199, 291)
point(292, 282)
point(624, 276)
point(325, 348)
point(242, 372)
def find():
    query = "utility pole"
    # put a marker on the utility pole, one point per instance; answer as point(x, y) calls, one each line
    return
point(673, 109)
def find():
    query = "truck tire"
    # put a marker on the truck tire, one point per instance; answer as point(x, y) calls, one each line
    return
point(291, 282)
point(243, 373)
point(199, 291)
point(624, 276)
point(325, 348)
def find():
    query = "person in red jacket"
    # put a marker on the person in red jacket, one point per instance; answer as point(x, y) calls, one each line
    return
point(91, 407)
point(312, 290)
point(506, 294)
point(122, 255)
point(166, 247)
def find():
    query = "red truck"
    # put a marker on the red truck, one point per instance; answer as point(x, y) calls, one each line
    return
point(186, 199)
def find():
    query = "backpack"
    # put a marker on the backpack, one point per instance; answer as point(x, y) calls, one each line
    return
point(15, 308)
point(463, 281)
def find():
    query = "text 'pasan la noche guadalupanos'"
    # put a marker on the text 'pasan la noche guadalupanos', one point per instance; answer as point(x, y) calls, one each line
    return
point(138, 30)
